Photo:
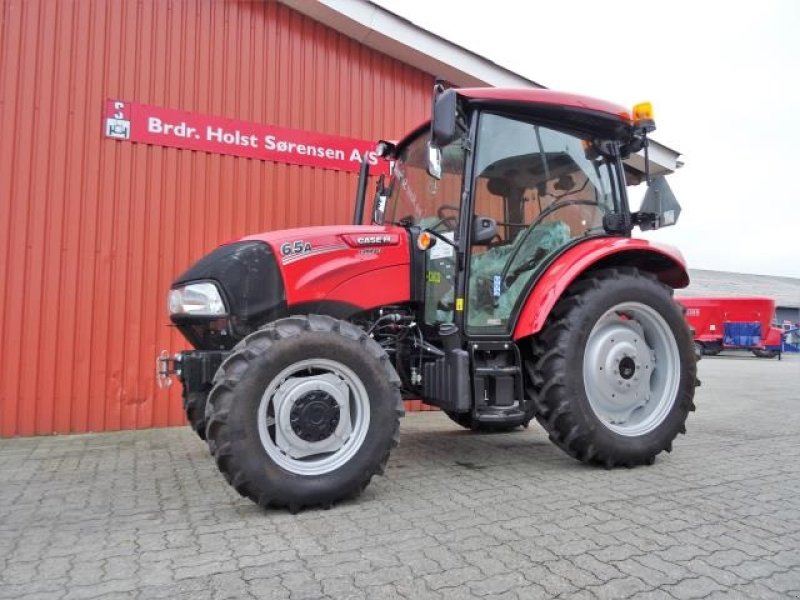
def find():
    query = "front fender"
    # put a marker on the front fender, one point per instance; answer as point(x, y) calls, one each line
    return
point(664, 262)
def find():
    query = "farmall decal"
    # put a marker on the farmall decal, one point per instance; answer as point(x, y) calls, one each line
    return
point(179, 129)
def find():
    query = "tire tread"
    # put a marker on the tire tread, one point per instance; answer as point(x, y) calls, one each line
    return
point(223, 396)
point(549, 365)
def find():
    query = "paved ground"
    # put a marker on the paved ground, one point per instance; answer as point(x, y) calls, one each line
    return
point(146, 514)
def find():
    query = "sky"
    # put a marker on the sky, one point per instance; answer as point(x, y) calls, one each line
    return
point(724, 80)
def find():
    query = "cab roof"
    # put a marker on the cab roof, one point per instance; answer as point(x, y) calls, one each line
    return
point(545, 97)
point(615, 117)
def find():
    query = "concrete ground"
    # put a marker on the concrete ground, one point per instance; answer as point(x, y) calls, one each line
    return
point(458, 515)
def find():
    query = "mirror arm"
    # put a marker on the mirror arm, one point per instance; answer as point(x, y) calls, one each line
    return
point(361, 193)
point(380, 192)
point(644, 218)
point(646, 145)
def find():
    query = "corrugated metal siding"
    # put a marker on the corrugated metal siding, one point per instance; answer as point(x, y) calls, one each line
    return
point(92, 231)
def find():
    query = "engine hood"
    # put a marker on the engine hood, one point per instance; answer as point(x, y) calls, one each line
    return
point(341, 269)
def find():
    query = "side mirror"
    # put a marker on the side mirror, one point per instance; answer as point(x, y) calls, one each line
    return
point(434, 161)
point(443, 122)
point(484, 230)
point(379, 201)
point(660, 205)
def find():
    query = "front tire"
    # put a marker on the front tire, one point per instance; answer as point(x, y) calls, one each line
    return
point(194, 405)
point(615, 370)
point(303, 413)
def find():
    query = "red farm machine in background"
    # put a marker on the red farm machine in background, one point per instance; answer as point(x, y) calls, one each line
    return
point(734, 324)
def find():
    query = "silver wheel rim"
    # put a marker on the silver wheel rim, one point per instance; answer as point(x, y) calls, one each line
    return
point(631, 369)
point(288, 394)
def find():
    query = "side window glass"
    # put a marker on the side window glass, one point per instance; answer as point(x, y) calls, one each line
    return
point(545, 188)
point(417, 198)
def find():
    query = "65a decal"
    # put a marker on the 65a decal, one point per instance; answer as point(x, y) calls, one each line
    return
point(294, 248)
point(300, 249)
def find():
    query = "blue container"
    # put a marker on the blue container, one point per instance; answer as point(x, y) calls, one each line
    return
point(744, 335)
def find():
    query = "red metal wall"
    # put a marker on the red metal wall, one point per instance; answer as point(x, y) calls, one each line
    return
point(92, 230)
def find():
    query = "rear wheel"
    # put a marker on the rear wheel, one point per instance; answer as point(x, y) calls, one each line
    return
point(304, 413)
point(615, 372)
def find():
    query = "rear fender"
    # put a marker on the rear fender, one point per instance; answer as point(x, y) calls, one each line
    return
point(664, 262)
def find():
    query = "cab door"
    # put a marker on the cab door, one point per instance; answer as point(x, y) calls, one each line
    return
point(416, 198)
point(547, 189)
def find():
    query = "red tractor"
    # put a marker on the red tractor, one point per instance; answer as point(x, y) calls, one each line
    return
point(498, 281)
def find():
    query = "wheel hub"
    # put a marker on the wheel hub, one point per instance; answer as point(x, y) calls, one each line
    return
point(311, 415)
point(627, 367)
point(620, 379)
point(314, 416)
point(624, 384)
point(300, 428)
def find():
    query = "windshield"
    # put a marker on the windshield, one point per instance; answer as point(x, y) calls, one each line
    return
point(416, 198)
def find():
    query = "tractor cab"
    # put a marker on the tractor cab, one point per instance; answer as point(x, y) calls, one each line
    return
point(532, 192)
point(494, 192)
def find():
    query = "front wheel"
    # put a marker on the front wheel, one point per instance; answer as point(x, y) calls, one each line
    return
point(615, 373)
point(303, 413)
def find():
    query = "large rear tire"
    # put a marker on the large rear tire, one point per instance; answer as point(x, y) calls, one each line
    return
point(615, 370)
point(303, 413)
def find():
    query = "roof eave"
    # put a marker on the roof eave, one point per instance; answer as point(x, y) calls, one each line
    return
point(386, 32)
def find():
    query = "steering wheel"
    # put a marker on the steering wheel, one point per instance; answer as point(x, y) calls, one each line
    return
point(449, 221)
point(534, 260)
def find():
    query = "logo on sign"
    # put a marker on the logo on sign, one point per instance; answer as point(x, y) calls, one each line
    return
point(117, 126)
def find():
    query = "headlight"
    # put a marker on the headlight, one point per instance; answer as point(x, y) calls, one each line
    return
point(201, 299)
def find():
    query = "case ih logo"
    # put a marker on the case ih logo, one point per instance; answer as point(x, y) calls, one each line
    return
point(374, 240)
point(192, 131)
point(381, 239)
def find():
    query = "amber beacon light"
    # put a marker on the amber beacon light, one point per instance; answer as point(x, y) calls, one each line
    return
point(643, 116)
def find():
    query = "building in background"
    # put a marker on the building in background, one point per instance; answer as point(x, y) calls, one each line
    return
point(125, 156)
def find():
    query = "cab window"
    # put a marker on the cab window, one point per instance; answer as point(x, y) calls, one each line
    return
point(546, 189)
point(416, 198)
